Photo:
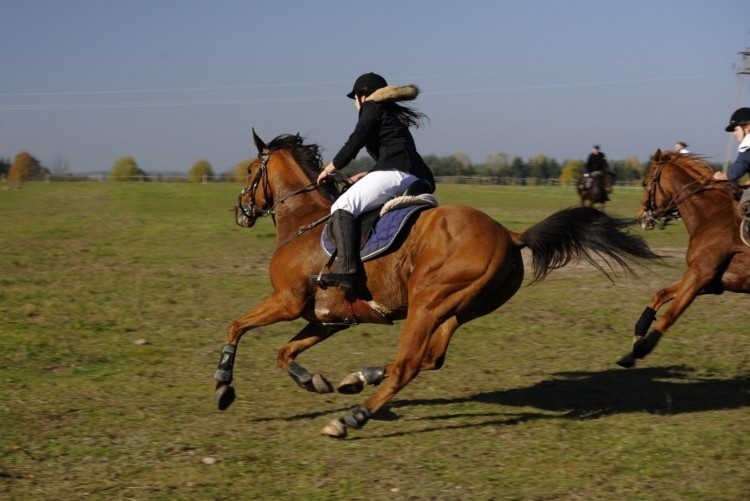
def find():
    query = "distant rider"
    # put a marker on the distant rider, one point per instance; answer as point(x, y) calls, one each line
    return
point(595, 165)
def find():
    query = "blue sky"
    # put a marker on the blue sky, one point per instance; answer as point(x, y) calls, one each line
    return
point(172, 82)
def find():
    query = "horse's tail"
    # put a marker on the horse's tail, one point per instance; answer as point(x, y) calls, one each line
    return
point(582, 233)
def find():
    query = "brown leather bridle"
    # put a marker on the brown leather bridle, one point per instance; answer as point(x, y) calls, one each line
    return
point(651, 183)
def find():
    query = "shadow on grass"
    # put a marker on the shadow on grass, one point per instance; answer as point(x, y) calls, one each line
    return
point(582, 395)
point(657, 390)
point(590, 395)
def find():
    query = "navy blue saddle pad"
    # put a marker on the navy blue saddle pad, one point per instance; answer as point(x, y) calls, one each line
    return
point(383, 233)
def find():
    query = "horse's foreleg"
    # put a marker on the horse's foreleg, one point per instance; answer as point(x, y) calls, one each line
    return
point(643, 325)
point(309, 336)
point(649, 314)
point(270, 311)
point(682, 294)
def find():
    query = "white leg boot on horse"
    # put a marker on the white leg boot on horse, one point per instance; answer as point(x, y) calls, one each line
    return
point(344, 272)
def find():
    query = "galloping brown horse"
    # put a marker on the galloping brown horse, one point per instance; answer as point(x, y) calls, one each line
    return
point(717, 260)
point(455, 265)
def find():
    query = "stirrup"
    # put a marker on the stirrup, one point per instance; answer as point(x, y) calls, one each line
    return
point(345, 281)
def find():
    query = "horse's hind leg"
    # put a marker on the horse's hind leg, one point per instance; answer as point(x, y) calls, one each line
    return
point(420, 324)
point(309, 336)
point(433, 360)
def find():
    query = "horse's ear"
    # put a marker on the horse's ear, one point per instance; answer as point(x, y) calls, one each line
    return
point(259, 142)
point(657, 155)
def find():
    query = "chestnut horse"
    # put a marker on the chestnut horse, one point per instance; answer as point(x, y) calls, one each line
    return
point(717, 260)
point(455, 264)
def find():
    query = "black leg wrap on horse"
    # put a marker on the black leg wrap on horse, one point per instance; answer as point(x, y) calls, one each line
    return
point(357, 417)
point(224, 373)
point(373, 375)
point(644, 346)
point(643, 324)
point(299, 374)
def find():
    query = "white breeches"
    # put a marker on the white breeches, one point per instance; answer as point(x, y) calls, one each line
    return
point(376, 188)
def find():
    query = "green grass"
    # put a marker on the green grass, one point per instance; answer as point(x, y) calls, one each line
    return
point(529, 405)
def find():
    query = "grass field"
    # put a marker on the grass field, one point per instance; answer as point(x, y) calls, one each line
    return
point(114, 303)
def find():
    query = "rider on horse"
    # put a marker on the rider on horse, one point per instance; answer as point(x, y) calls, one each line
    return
point(596, 165)
point(739, 125)
point(383, 129)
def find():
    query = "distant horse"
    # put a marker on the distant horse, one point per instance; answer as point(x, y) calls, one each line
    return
point(595, 189)
point(456, 264)
point(717, 260)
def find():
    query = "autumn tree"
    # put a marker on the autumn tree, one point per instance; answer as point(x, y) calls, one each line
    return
point(26, 168)
point(240, 171)
point(628, 169)
point(201, 170)
point(495, 163)
point(571, 172)
point(125, 169)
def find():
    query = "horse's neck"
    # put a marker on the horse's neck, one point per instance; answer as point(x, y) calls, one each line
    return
point(704, 207)
point(300, 210)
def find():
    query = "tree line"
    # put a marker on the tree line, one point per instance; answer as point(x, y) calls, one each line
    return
point(26, 167)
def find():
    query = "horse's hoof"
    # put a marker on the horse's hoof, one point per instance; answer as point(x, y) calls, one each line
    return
point(628, 361)
point(321, 384)
point(334, 429)
point(224, 397)
point(351, 384)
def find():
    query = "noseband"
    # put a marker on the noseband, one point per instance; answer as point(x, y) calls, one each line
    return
point(251, 210)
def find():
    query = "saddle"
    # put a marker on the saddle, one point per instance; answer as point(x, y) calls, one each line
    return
point(381, 230)
point(382, 227)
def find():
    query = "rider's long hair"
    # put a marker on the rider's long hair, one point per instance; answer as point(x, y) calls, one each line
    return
point(408, 116)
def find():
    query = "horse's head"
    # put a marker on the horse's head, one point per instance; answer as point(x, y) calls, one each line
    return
point(284, 168)
point(670, 179)
point(256, 198)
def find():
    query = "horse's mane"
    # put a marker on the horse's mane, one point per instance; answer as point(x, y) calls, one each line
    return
point(697, 164)
point(308, 156)
point(698, 168)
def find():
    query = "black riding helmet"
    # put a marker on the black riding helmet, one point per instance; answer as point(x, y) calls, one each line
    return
point(739, 117)
point(367, 84)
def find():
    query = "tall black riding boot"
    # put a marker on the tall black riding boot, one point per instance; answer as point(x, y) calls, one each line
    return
point(344, 272)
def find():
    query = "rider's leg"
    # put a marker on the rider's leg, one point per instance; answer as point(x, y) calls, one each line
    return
point(344, 270)
point(376, 188)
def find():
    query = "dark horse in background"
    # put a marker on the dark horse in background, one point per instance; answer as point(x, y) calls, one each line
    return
point(595, 189)
point(717, 259)
point(456, 264)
